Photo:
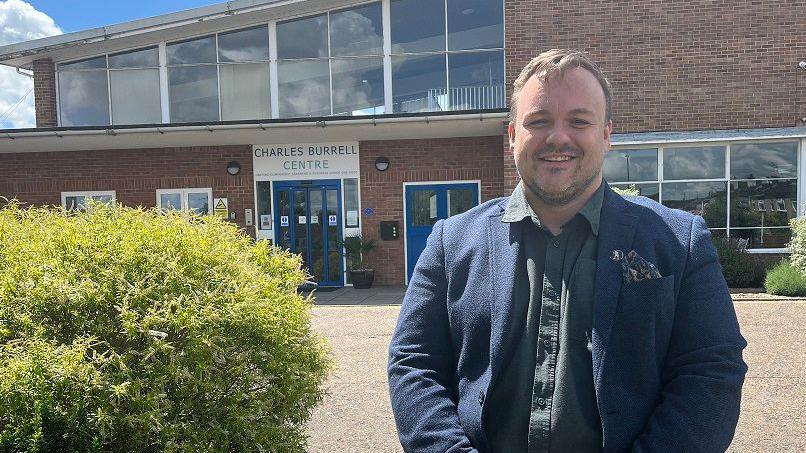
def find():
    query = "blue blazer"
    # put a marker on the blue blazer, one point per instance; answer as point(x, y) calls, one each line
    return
point(667, 352)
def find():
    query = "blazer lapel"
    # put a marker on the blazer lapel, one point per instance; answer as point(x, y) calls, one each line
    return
point(505, 241)
point(616, 232)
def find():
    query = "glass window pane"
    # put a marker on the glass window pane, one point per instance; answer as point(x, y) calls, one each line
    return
point(645, 190)
point(702, 162)
point(144, 58)
point(476, 80)
point(351, 201)
point(83, 98)
point(763, 238)
point(263, 195)
point(198, 203)
point(171, 201)
point(135, 96)
point(193, 92)
point(304, 88)
point(418, 26)
point(706, 199)
point(460, 200)
point(201, 50)
point(90, 63)
point(244, 45)
point(764, 160)
point(357, 86)
point(418, 83)
point(356, 31)
point(423, 208)
point(763, 203)
point(475, 24)
point(244, 91)
point(631, 165)
point(302, 38)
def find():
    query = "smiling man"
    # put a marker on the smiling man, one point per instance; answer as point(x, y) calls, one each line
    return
point(566, 318)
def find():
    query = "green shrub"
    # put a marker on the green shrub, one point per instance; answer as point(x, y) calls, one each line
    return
point(785, 280)
point(798, 243)
point(631, 190)
point(126, 330)
point(741, 269)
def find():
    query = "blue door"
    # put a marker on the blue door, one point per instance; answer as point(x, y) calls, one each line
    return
point(425, 204)
point(308, 220)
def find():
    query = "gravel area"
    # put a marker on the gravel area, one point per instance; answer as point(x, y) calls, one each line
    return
point(356, 415)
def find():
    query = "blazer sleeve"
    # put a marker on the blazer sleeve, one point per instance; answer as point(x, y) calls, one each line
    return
point(704, 371)
point(422, 361)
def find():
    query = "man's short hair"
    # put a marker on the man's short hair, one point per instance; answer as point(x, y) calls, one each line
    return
point(559, 61)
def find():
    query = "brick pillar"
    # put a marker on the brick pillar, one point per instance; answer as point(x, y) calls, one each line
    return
point(45, 92)
point(511, 177)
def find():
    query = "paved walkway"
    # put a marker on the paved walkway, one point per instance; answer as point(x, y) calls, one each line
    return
point(356, 415)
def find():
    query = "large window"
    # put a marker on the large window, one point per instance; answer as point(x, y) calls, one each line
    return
point(197, 201)
point(746, 191)
point(447, 55)
point(437, 55)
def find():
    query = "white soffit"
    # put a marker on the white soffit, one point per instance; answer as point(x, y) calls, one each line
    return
point(248, 134)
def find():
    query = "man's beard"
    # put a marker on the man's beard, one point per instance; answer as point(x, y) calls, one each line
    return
point(570, 193)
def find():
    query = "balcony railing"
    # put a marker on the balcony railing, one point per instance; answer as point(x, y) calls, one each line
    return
point(461, 98)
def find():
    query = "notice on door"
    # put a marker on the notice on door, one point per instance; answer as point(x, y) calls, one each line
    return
point(331, 220)
point(283, 220)
point(302, 220)
point(314, 219)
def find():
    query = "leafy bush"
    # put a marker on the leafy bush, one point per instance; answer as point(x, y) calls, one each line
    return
point(785, 280)
point(130, 330)
point(798, 243)
point(741, 269)
point(632, 190)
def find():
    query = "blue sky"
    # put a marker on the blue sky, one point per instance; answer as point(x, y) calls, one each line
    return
point(76, 15)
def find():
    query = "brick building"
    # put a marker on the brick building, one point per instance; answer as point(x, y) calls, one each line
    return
point(311, 120)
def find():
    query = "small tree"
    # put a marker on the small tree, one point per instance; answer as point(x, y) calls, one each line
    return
point(125, 330)
point(354, 249)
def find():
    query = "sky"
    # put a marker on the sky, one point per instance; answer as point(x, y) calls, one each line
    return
point(24, 21)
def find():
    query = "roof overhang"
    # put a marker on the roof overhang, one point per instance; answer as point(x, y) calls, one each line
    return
point(254, 132)
point(167, 27)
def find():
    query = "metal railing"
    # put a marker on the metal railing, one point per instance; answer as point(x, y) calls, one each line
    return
point(461, 98)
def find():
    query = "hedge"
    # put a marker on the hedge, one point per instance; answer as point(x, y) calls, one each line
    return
point(131, 330)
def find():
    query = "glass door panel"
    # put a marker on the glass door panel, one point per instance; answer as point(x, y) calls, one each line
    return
point(317, 258)
point(300, 219)
point(284, 222)
point(332, 225)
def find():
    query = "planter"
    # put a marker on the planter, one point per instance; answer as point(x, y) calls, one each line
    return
point(363, 278)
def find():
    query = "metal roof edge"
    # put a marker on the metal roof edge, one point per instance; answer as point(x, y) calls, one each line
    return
point(25, 48)
point(716, 135)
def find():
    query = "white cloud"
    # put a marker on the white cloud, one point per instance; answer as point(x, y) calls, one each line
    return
point(19, 21)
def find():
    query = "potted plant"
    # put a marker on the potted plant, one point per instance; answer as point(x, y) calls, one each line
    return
point(354, 249)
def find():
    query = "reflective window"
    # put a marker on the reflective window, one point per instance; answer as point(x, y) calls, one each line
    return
point(357, 86)
point(356, 31)
point(244, 91)
point(303, 38)
point(759, 238)
point(475, 24)
point(621, 165)
point(171, 201)
point(83, 97)
point(197, 201)
point(762, 202)
point(244, 45)
point(423, 208)
point(304, 88)
point(460, 200)
point(143, 58)
point(704, 162)
point(419, 83)
point(651, 191)
point(764, 160)
point(135, 96)
point(201, 50)
point(417, 26)
point(476, 80)
point(351, 202)
point(90, 63)
point(706, 199)
point(193, 93)
point(263, 196)
point(77, 201)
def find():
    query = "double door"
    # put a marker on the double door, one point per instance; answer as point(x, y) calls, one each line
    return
point(308, 220)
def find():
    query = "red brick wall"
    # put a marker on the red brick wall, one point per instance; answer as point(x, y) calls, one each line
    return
point(472, 158)
point(134, 175)
point(45, 93)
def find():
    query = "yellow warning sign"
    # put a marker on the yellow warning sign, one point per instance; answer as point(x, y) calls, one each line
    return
point(220, 208)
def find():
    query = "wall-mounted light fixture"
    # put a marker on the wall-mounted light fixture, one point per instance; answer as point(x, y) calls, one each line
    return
point(233, 167)
point(381, 164)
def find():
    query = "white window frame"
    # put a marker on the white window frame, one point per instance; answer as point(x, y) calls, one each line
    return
point(87, 194)
point(184, 192)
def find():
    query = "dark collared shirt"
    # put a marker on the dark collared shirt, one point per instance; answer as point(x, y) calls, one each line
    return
point(544, 400)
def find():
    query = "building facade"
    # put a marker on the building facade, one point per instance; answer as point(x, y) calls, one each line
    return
point(308, 121)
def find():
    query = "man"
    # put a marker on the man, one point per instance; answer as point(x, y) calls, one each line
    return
point(566, 318)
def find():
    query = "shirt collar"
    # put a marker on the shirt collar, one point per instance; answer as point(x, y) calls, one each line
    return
point(518, 208)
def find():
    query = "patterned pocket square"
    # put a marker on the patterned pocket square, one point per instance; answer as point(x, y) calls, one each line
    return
point(635, 268)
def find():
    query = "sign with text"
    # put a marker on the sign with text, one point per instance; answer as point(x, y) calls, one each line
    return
point(305, 161)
